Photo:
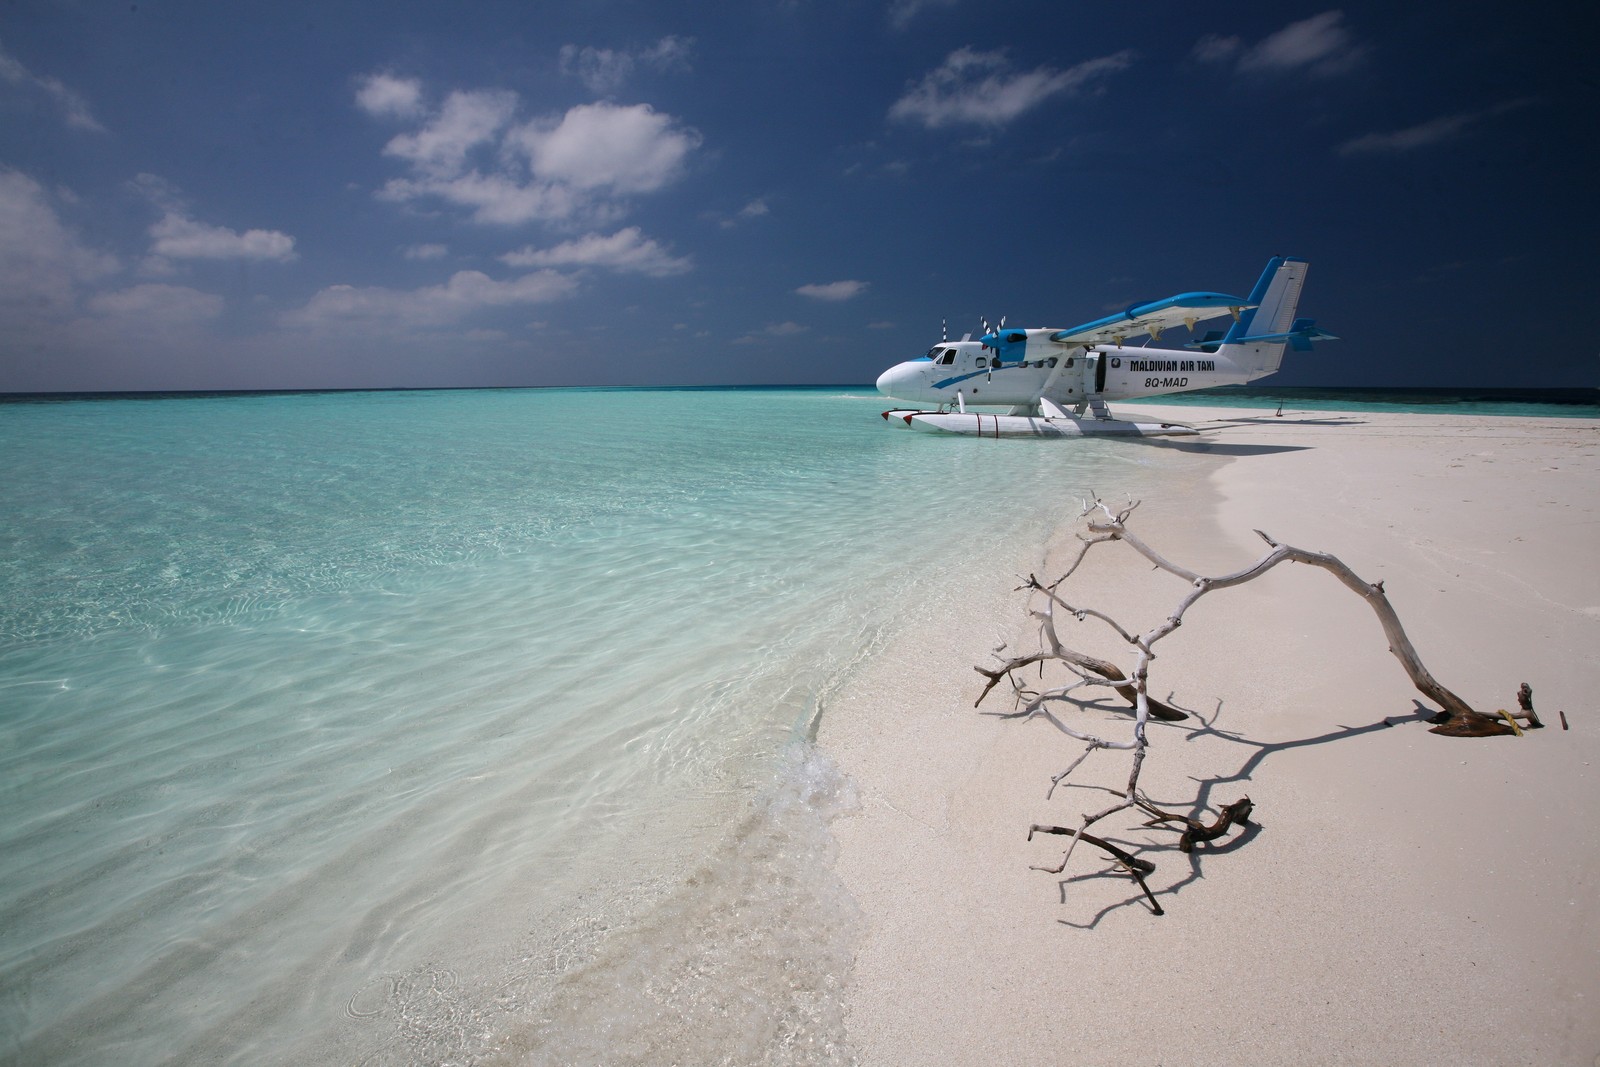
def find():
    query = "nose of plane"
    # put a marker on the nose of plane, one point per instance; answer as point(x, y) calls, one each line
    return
point(889, 379)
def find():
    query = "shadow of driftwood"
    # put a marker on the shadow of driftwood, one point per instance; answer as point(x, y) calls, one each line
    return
point(1217, 848)
point(1198, 726)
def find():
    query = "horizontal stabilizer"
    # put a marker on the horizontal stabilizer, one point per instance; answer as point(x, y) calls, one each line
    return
point(1298, 338)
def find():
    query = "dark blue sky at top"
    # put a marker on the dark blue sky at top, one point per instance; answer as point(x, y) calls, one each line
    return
point(609, 192)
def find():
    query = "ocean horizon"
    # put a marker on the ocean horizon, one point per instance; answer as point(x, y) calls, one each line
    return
point(1530, 401)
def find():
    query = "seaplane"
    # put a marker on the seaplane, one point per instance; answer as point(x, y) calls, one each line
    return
point(1056, 383)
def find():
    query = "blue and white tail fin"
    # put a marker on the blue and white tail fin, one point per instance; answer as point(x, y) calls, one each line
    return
point(1256, 342)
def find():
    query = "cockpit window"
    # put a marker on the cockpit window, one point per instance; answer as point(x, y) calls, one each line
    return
point(948, 358)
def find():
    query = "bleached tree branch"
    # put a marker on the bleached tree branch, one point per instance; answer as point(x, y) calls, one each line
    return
point(1457, 719)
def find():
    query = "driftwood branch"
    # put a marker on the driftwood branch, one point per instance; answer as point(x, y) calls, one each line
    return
point(1195, 832)
point(1089, 672)
point(1127, 862)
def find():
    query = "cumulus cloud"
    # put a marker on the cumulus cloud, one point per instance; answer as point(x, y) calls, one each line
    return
point(466, 292)
point(605, 70)
point(178, 237)
point(73, 107)
point(1320, 45)
point(386, 96)
point(833, 291)
point(1425, 134)
point(581, 164)
point(982, 88)
point(627, 250)
point(494, 198)
point(602, 146)
point(466, 120)
point(43, 264)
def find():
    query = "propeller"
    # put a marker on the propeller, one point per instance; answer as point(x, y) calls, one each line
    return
point(991, 332)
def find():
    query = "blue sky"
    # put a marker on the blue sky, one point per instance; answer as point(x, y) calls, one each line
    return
point(609, 192)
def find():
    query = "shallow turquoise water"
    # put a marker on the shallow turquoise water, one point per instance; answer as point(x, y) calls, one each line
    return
point(341, 727)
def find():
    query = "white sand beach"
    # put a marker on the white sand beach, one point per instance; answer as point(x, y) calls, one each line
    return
point(1401, 897)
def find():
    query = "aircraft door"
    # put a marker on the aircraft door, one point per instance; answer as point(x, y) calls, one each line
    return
point(1097, 366)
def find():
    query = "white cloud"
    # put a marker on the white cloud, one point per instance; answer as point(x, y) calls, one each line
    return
point(626, 250)
point(471, 153)
point(777, 329)
point(424, 251)
point(388, 96)
point(160, 192)
point(467, 120)
point(179, 237)
point(493, 198)
point(605, 70)
point(903, 12)
point(466, 292)
point(156, 267)
point(981, 88)
point(755, 209)
point(833, 290)
point(42, 263)
point(601, 69)
point(74, 108)
point(670, 53)
point(159, 304)
point(606, 147)
point(1425, 134)
point(1215, 48)
point(1320, 45)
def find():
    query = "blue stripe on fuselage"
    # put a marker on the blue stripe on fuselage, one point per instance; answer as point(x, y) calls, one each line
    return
point(964, 377)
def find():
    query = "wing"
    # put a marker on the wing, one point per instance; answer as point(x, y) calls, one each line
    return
point(1185, 309)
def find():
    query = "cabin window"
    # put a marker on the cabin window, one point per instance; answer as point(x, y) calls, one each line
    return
point(982, 363)
point(1069, 362)
point(1052, 362)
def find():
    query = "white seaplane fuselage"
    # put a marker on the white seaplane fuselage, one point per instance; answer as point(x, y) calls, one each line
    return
point(1076, 376)
point(1056, 383)
point(956, 376)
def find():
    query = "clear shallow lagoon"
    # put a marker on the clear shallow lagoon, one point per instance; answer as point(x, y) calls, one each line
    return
point(398, 726)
